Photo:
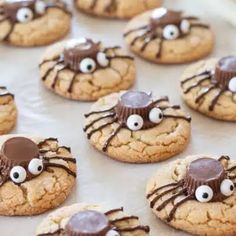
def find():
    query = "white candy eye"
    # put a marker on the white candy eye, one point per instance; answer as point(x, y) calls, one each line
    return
point(227, 187)
point(171, 32)
point(18, 174)
point(232, 85)
point(24, 15)
point(185, 26)
point(35, 166)
point(87, 65)
point(204, 193)
point(156, 115)
point(102, 59)
point(40, 7)
point(135, 122)
point(112, 233)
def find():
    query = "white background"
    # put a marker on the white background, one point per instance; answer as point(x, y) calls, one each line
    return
point(100, 179)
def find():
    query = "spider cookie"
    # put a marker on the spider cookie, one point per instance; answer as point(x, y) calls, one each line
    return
point(36, 175)
point(116, 8)
point(33, 22)
point(82, 69)
point(8, 111)
point(134, 127)
point(168, 37)
point(197, 195)
point(84, 219)
point(210, 87)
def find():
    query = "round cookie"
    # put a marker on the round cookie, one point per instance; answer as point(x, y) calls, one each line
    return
point(196, 194)
point(116, 8)
point(82, 69)
point(137, 128)
point(168, 37)
point(79, 219)
point(8, 112)
point(210, 87)
point(33, 22)
point(36, 174)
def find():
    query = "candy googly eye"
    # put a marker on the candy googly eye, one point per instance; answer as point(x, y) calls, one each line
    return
point(87, 65)
point(232, 85)
point(227, 187)
point(40, 7)
point(156, 115)
point(171, 32)
point(204, 193)
point(112, 233)
point(24, 15)
point(135, 122)
point(102, 59)
point(18, 174)
point(185, 26)
point(35, 166)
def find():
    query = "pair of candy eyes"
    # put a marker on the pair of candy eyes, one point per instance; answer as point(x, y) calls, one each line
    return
point(25, 14)
point(135, 122)
point(204, 193)
point(171, 32)
point(18, 174)
point(88, 65)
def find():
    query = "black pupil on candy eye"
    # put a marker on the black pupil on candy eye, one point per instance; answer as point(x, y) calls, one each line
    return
point(40, 168)
point(231, 187)
point(160, 115)
point(205, 195)
point(136, 124)
point(89, 67)
point(16, 175)
point(171, 33)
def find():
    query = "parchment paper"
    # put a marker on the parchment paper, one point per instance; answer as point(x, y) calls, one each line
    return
point(100, 179)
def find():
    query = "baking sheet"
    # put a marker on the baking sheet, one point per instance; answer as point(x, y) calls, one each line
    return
point(100, 179)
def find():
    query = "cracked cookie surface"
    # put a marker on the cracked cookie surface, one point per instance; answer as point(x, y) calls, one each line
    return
point(212, 218)
point(50, 27)
point(125, 224)
point(118, 74)
point(41, 192)
point(225, 107)
point(195, 44)
point(161, 142)
point(116, 8)
point(8, 112)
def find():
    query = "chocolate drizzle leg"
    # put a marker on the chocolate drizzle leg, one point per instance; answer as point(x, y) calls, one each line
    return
point(202, 182)
point(131, 103)
point(222, 79)
point(159, 19)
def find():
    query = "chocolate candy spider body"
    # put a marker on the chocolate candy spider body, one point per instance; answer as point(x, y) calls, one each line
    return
point(21, 160)
point(222, 78)
point(134, 111)
point(25, 11)
point(81, 56)
point(91, 222)
point(164, 25)
point(206, 180)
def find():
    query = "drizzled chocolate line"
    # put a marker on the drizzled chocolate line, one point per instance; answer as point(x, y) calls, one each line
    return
point(98, 112)
point(136, 228)
point(120, 57)
point(98, 119)
point(114, 211)
point(111, 7)
point(215, 100)
point(208, 73)
point(196, 84)
point(151, 33)
point(45, 141)
point(188, 118)
point(123, 219)
point(50, 164)
point(69, 159)
point(226, 158)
